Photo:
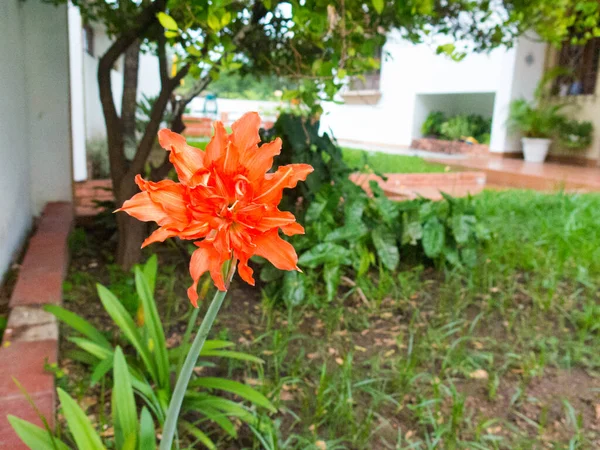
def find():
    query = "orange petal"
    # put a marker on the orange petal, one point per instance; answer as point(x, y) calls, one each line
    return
point(285, 177)
point(217, 145)
point(292, 229)
point(187, 160)
point(159, 235)
point(281, 253)
point(259, 161)
point(273, 219)
point(143, 208)
point(170, 196)
point(205, 258)
point(245, 132)
point(245, 271)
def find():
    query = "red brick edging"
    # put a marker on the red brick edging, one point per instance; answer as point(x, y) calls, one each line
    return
point(31, 337)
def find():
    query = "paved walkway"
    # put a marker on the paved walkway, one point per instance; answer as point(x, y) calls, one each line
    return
point(516, 173)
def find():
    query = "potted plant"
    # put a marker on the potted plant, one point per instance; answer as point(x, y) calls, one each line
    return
point(538, 123)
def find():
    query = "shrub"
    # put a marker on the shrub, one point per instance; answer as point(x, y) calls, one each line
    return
point(576, 135)
point(351, 233)
point(535, 120)
point(433, 124)
point(464, 126)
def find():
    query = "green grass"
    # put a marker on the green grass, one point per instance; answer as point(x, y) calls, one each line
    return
point(365, 161)
point(503, 356)
point(388, 163)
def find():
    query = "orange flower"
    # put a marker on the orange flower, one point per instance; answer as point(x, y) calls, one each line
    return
point(226, 201)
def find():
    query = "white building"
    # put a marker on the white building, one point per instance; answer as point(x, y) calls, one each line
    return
point(413, 81)
point(50, 107)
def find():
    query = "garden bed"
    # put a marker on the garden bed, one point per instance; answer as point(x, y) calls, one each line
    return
point(449, 147)
point(502, 356)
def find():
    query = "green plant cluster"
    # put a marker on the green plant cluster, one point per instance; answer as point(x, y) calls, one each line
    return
point(460, 126)
point(350, 233)
point(576, 135)
point(143, 370)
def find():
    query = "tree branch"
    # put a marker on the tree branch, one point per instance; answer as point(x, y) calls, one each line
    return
point(162, 58)
point(156, 115)
point(113, 122)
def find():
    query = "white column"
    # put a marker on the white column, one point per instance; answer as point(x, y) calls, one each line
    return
point(77, 91)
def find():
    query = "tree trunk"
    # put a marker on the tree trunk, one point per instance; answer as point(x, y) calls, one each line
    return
point(129, 98)
point(132, 232)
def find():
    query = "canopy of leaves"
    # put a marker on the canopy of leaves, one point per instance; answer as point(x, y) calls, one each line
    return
point(322, 42)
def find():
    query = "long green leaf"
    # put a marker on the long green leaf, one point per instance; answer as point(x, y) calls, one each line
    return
point(123, 403)
point(147, 432)
point(232, 355)
point(235, 388)
point(150, 270)
point(35, 437)
point(101, 369)
point(119, 315)
point(197, 401)
point(199, 435)
point(84, 434)
point(154, 327)
point(78, 323)
point(92, 348)
point(386, 246)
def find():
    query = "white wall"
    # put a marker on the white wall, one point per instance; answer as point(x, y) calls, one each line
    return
point(15, 207)
point(47, 73)
point(34, 116)
point(413, 71)
point(77, 91)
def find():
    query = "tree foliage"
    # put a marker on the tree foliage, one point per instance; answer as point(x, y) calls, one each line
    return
point(315, 43)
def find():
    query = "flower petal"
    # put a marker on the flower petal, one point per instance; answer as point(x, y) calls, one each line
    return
point(292, 229)
point(159, 235)
point(217, 145)
point(143, 208)
point(245, 132)
point(170, 196)
point(205, 258)
point(188, 160)
point(281, 253)
point(285, 177)
point(245, 271)
point(260, 160)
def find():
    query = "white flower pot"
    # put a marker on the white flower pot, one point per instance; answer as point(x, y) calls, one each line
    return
point(535, 149)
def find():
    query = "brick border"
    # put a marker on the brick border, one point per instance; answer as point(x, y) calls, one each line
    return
point(31, 337)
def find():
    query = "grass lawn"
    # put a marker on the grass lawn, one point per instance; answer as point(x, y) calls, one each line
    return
point(503, 356)
point(365, 161)
point(388, 163)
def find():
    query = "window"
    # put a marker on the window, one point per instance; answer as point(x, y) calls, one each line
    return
point(582, 63)
point(88, 40)
point(371, 79)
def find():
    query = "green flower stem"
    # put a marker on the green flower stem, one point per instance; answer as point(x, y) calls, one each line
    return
point(187, 369)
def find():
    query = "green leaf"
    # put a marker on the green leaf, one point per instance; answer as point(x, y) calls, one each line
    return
point(225, 19)
point(119, 315)
point(199, 435)
point(331, 274)
point(35, 437)
point(386, 247)
point(100, 370)
point(123, 403)
point(150, 270)
point(147, 431)
point(171, 34)
point(79, 324)
point(235, 388)
point(214, 22)
point(462, 225)
point(167, 21)
point(433, 237)
point(469, 256)
point(294, 288)
point(342, 73)
point(84, 434)
point(92, 348)
point(231, 355)
point(325, 253)
point(378, 5)
point(347, 233)
point(154, 328)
